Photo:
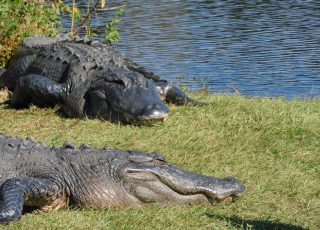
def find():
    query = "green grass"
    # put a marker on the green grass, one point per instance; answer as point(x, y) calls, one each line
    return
point(271, 145)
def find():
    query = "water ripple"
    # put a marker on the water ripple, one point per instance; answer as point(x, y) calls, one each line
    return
point(258, 47)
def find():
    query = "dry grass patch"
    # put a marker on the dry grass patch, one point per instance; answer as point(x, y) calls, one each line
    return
point(3, 95)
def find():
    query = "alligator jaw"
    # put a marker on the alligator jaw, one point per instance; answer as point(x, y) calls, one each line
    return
point(223, 193)
point(163, 183)
point(226, 198)
point(156, 117)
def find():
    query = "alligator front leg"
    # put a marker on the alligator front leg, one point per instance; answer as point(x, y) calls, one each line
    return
point(173, 94)
point(36, 192)
point(37, 89)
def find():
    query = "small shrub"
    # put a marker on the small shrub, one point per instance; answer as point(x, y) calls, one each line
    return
point(21, 18)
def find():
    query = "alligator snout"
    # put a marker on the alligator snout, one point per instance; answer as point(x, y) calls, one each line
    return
point(155, 111)
point(152, 113)
point(165, 184)
point(226, 188)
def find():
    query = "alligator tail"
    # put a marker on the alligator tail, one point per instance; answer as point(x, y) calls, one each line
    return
point(135, 67)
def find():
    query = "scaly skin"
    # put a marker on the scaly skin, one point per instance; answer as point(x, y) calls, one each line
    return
point(34, 174)
point(87, 79)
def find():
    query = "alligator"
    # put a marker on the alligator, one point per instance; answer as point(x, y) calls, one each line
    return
point(87, 79)
point(46, 178)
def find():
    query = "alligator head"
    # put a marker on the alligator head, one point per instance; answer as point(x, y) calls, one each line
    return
point(150, 179)
point(125, 96)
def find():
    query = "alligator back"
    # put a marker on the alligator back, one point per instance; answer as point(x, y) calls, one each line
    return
point(60, 58)
point(26, 157)
point(21, 157)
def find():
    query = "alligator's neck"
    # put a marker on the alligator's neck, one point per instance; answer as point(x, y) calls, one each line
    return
point(92, 179)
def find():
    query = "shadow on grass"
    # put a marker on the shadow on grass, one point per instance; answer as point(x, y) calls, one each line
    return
point(255, 224)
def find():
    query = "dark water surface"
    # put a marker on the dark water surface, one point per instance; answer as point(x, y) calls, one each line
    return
point(264, 48)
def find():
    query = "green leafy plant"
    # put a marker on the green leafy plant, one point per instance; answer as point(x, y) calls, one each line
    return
point(21, 18)
point(113, 29)
point(81, 18)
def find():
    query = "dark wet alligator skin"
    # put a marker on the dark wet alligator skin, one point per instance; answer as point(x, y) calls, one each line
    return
point(33, 174)
point(87, 79)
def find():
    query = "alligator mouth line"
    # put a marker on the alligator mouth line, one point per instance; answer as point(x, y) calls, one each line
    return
point(147, 120)
point(211, 197)
point(226, 198)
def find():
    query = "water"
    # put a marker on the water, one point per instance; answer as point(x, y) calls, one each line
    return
point(254, 47)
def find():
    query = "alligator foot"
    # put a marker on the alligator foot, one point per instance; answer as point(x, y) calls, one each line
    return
point(173, 94)
point(36, 192)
